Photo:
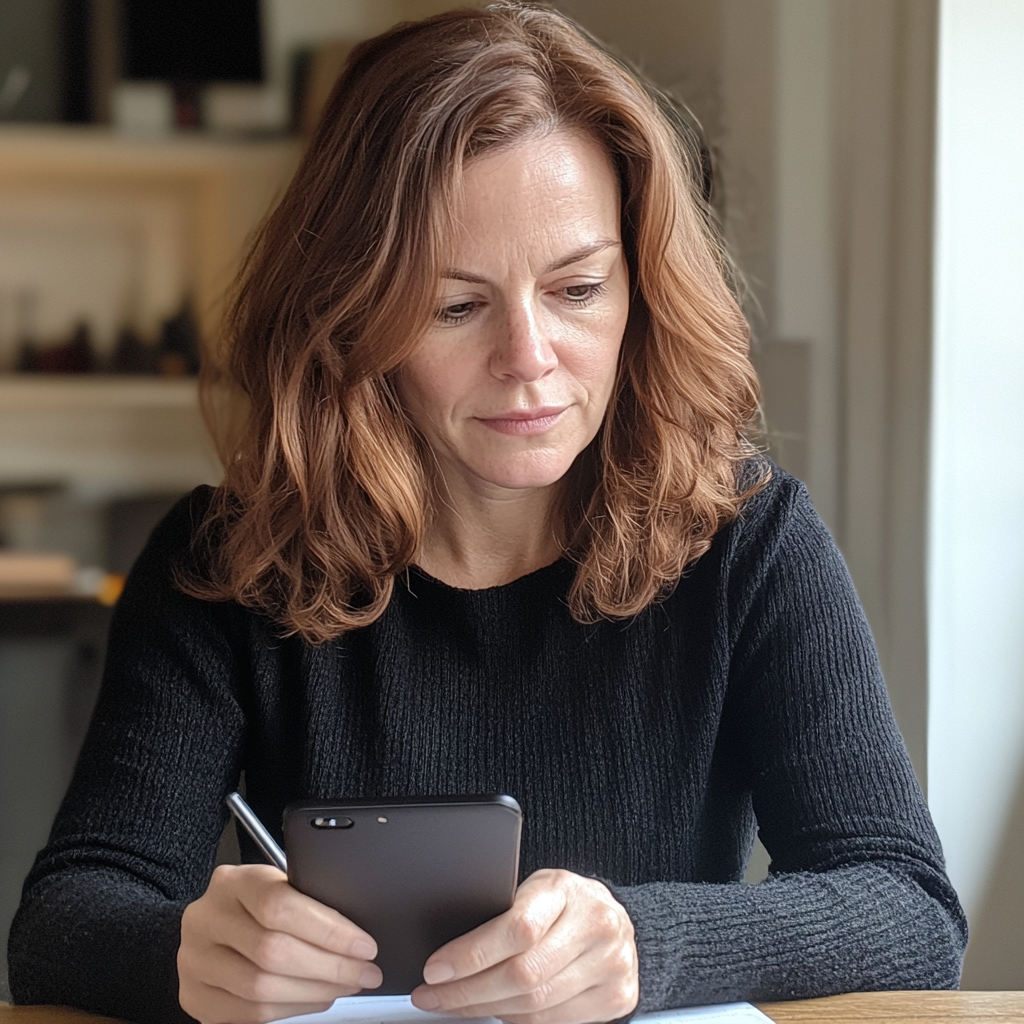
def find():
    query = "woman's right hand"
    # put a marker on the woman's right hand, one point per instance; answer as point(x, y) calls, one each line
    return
point(253, 949)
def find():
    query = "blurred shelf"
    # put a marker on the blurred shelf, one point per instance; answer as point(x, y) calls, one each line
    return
point(190, 200)
point(186, 205)
point(104, 435)
point(71, 150)
point(33, 595)
point(25, 392)
point(47, 576)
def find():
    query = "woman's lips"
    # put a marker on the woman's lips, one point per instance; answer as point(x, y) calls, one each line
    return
point(521, 422)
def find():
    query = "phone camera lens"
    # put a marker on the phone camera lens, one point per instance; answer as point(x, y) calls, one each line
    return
point(332, 822)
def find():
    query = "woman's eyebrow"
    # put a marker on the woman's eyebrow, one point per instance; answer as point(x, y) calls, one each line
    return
point(581, 254)
point(463, 275)
point(453, 274)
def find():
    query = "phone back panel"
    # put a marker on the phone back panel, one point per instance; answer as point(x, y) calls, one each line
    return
point(432, 870)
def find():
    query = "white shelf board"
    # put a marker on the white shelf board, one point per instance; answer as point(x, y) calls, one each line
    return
point(104, 434)
point(39, 392)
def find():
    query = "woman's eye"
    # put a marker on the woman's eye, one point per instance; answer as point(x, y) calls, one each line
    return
point(582, 294)
point(456, 313)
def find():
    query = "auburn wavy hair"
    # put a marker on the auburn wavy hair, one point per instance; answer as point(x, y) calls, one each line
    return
point(328, 489)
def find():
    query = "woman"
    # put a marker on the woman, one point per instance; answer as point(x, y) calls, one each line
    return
point(492, 526)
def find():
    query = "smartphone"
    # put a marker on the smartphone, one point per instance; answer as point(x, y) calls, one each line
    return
point(414, 873)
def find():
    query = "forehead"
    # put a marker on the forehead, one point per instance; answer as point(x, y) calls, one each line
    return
point(558, 186)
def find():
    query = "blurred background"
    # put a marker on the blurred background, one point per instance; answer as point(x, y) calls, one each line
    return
point(869, 156)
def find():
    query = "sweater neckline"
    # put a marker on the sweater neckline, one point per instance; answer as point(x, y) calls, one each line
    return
point(536, 576)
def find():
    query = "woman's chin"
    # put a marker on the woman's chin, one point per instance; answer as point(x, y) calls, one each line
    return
point(527, 475)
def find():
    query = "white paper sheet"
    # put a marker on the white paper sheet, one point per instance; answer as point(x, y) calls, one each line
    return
point(399, 1010)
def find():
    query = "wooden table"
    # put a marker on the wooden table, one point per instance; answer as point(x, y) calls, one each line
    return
point(858, 1008)
point(902, 1007)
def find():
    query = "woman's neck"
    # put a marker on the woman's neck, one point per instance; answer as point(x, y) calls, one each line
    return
point(486, 538)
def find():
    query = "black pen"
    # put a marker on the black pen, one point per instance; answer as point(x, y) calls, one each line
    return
point(260, 836)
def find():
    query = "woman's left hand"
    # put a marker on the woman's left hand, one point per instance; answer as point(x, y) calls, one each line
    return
point(563, 953)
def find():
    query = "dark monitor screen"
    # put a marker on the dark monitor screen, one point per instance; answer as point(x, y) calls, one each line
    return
point(192, 40)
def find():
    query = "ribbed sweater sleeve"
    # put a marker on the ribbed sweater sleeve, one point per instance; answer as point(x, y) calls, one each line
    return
point(857, 898)
point(135, 838)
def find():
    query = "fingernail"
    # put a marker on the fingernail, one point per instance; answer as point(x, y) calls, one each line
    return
point(363, 949)
point(370, 977)
point(438, 971)
point(427, 1000)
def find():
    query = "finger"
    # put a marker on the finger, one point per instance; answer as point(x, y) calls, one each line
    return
point(591, 1005)
point(617, 988)
point(523, 973)
point(232, 972)
point(536, 908)
point(616, 992)
point(280, 953)
point(278, 907)
point(210, 1004)
point(524, 995)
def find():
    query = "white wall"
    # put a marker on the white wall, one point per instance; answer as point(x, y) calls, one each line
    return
point(976, 558)
point(806, 280)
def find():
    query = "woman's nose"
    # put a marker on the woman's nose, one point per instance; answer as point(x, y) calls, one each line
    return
point(524, 350)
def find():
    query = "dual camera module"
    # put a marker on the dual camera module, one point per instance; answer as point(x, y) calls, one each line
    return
point(342, 822)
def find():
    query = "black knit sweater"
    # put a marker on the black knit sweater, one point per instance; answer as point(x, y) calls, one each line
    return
point(643, 753)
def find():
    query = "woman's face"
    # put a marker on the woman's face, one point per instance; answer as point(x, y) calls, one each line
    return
point(511, 381)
